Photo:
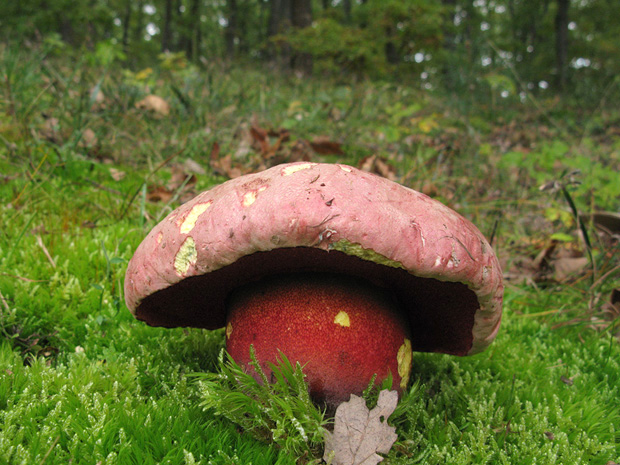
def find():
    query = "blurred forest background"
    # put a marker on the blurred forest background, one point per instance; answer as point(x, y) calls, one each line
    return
point(482, 49)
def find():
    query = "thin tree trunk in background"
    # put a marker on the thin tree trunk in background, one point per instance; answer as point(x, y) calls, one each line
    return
point(126, 23)
point(346, 7)
point(166, 37)
point(391, 54)
point(448, 71)
point(561, 42)
point(301, 17)
point(182, 27)
point(138, 32)
point(325, 4)
point(194, 13)
point(279, 23)
point(230, 33)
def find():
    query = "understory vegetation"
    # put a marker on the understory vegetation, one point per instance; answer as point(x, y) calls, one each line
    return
point(92, 156)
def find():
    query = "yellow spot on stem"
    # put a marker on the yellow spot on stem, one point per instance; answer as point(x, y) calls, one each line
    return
point(404, 358)
point(229, 330)
point(190, 220)
point(293, 169)
point(342, 319)
point(186, 256)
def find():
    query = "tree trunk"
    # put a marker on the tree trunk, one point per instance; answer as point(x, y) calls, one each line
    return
point(448, 71)
point(138, 32)
point(279, 23)
point(126, 23)
point(196, 35)
point(230, 33)
point(561, 43)
point(346, 7)
point(166, 37)
point(301, 17)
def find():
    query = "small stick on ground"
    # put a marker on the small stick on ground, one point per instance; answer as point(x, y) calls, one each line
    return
point(45, 251)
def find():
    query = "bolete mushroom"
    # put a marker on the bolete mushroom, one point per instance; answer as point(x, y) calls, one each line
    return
point(339, 269)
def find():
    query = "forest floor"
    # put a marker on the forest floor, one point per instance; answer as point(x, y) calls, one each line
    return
point(92, 158)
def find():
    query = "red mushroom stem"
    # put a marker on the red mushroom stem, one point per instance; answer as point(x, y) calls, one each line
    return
point(342, 330)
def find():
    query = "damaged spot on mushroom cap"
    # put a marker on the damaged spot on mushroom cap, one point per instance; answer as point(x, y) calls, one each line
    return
point(288, 170)
point(404, 358)
point(190, 220)
point(186, 256)
point(345, 168)
point(357, 250)
point(250, 197)
point(229, 330)
point(342, 319)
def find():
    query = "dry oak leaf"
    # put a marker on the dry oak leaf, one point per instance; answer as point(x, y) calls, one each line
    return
point(155, 105)
point(324, 146)
point(359, 434)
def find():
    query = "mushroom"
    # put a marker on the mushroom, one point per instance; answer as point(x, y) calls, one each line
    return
point(341, 270)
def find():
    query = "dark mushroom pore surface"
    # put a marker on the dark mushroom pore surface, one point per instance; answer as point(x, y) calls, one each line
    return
point(440, 314)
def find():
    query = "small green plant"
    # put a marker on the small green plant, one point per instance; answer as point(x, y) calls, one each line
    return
point(280, 412)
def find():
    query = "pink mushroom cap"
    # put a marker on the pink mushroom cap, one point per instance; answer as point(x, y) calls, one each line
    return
point(307, 217)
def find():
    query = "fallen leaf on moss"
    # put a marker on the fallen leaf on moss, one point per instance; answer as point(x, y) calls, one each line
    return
point(325, 146)
point(378, 165)
point(359, 434)
point(155, 105)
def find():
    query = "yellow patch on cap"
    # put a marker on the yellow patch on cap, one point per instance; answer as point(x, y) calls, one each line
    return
point(342, 319)
point(345, 168)
point(229, 330)
point(404, 358)
point(190, 220)
point(295, 168)
point(250, 197)
point(186, 256)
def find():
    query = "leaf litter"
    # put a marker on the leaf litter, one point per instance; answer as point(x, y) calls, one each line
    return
point(361, 434)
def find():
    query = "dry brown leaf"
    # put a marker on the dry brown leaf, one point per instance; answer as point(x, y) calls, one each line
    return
point(359, 434)
point(89, 138)
point(611, 308)
point(51, 131)
point(155, 105)
point(180, 178)
point(608, 222)
point(98, 99)
point(192, 166)
point(325, 146)
point(159, 194)
point(567, 267)
point(223, 166)
point(116, 174)
point(300, 151)
point(378, 165)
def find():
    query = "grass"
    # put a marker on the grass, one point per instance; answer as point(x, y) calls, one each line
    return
point(82, 382)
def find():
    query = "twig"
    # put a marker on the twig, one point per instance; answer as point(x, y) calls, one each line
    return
point(49, 451)
point(45, 251)
point(604, 277)
point(4, 302)
point(21, 278)
point(104, 188)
